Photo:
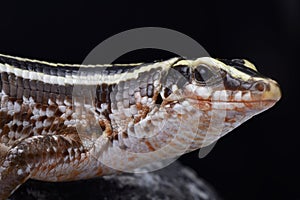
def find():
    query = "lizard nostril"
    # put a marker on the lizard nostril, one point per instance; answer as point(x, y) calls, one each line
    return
point(260, 86)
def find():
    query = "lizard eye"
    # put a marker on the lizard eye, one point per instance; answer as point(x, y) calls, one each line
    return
point(202, 74)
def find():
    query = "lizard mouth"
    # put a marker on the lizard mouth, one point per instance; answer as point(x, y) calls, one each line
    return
point(232, 105)
point(226, 99)
point(261, 97)
point(241, 105)
point(250, 101)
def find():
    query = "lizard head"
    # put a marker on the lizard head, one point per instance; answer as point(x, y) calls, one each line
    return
point(217, 95)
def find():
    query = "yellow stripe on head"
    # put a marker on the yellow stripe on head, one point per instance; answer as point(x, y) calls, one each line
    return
point(249, 65)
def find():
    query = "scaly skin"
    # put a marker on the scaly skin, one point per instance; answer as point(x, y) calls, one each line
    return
point(54, 129)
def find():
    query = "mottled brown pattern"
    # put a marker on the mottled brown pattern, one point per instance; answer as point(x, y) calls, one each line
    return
point(59, 132)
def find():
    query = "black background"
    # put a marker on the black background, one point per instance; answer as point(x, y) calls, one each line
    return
point(260, 159)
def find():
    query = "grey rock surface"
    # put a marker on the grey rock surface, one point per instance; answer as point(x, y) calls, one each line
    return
point(173, 182)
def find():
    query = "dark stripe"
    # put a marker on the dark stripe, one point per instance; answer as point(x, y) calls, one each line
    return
point(17, 87)
point(239, 64)
point(63, 70)
point(231, 83)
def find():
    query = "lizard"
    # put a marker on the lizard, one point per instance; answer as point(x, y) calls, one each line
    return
point(66, 122)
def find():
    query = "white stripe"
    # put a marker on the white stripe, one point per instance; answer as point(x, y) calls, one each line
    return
point(90, 80)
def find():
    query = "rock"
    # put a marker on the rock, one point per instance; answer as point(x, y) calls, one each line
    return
point(173, 182)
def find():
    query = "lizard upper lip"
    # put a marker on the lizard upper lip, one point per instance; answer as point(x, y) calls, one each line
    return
point(272, 94)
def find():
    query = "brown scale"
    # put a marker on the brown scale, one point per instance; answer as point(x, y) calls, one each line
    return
point(20, 129)
point(50, 121)
point(5, 130)
point(143, 112)
point(3, 118)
